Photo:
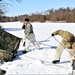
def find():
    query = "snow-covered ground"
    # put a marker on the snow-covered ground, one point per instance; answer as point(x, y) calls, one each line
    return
point(38, 61)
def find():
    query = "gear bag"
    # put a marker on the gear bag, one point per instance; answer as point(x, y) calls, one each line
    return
point(9, 45)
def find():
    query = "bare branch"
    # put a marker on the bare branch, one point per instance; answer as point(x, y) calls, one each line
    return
point(4, 5)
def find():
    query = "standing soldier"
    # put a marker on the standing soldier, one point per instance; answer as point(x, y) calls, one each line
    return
point(68, 42)
point(29, 35)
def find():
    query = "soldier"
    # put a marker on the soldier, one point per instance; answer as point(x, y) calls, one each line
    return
point(68, 42)
point(29, 35)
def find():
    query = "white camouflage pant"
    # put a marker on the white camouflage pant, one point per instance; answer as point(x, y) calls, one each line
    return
point(31, 39)
point(59, 51)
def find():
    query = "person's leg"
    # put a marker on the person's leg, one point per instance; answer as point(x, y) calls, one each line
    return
point(58, 53)
point(33, 41)
point(27, 42)
point(37, 45)
point(71, 54)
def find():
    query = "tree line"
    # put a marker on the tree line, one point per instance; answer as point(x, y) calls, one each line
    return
point(53, 15)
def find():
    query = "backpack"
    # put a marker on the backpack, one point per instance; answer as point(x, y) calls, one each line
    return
point(9, 45)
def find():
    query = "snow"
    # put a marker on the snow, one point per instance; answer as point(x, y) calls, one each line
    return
point(38, 61)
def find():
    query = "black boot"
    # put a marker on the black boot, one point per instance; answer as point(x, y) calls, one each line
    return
point(24, 52)
point(55, 61)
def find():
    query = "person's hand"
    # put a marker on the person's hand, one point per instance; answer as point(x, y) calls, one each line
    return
point(52, 34)
point(23, 27)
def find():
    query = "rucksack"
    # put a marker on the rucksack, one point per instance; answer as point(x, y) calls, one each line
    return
point(9, 45)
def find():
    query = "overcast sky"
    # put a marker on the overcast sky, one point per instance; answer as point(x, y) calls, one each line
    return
point(33, 6)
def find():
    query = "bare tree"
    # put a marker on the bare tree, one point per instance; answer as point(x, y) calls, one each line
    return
point(4, 6)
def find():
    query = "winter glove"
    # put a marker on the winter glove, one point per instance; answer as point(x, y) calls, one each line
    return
point(23, 27)
point(52, 34)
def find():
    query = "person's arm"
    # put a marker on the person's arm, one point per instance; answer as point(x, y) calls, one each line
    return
point(56, 32)
point(27, 32)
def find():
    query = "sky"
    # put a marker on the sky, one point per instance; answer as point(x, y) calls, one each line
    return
point(33, 6)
